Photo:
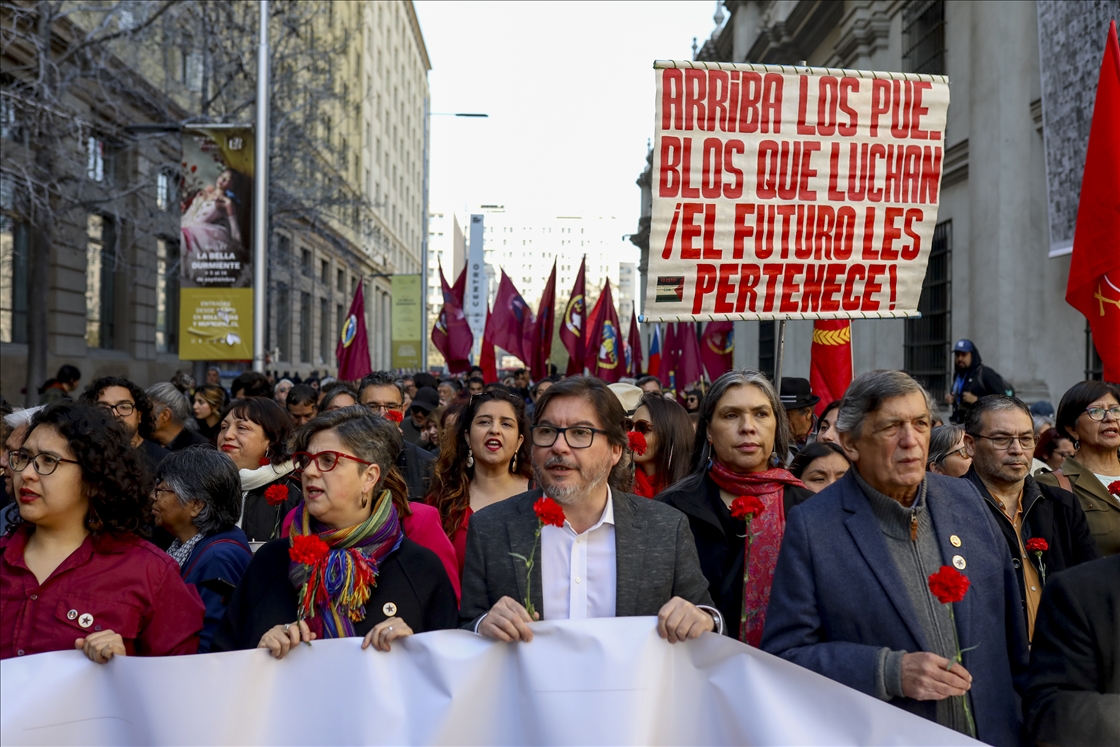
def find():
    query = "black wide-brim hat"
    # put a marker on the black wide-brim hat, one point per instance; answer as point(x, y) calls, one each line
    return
point(797, 393)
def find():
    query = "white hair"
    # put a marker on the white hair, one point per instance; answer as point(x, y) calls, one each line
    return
point(21, 416)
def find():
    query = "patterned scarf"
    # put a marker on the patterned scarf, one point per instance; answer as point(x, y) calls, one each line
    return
point(334, 589)
point(767, 528)
point(181, 551)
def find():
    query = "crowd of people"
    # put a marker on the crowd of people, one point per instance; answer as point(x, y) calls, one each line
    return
point(184, 518)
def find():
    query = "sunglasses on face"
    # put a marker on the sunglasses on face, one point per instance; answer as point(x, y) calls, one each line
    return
point(643, 426)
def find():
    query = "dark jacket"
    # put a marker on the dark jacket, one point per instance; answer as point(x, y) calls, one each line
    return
point(719, 539)
point(838, 599)
point(1051, 514)
point(153, 454)
point(416, 465)
point(1102, 511)
point(186, 439)
point(222, 556)
point(1073, 691)
point(979, 380)
point(655, 557)
point(412, 579)
point(260, 521)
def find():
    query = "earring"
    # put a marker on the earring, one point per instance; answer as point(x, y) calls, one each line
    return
point(1076, 444)
point(470, 457)
point(365, 501)
point(513, 464)
point(669, 466)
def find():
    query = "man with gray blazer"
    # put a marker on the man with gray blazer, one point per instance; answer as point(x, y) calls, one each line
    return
point(617, 555)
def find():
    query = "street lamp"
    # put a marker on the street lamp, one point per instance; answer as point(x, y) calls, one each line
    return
point(424, 229)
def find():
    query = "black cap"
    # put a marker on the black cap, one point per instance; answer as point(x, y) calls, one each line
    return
point(426, 400)
point(797, 393)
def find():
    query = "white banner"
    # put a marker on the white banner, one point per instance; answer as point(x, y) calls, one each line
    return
point(792, 193)
point(601, 682)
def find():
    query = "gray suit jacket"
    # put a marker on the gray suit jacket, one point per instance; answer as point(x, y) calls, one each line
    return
point(655, 557)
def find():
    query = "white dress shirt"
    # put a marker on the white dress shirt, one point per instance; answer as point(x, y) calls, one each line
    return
point(578, 574)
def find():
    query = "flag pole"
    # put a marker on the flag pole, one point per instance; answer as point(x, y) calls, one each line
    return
point(779, 354)
point(260, 196)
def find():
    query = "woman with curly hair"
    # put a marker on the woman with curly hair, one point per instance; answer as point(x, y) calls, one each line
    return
point(132, 408)
point(484, 459)
point(74, 571)
point(254, 434)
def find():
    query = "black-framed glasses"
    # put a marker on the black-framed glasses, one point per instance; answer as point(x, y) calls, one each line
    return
point(45, 464)
point(643, 426)
point(1098, 413)
point(379, 408)
point(576, 436)
point(123, 409)
point(1003, 443)
point(325, 461)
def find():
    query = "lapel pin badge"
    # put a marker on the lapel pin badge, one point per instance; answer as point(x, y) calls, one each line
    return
point(954, 540)
point(958, 562)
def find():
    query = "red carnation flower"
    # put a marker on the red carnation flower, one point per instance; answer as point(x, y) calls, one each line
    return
point(638, 443)
point(1037, 544)
point(1114, 487)
point(549, 512)
point(394, 415)
point(308, 549)
point(275, 495)
point(747, 507)
point(948, 585)
point(264, 462)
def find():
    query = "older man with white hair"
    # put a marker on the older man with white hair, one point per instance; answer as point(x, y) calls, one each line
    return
point(172, 424)
point(851, 597)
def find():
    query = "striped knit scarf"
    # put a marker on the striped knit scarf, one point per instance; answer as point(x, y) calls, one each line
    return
point(334, 589)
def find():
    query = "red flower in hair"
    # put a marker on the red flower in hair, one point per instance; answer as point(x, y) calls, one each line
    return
point(638, 443)
point(549, 512)
point(1037, 544)
point(308, 549)
point(747, 507)
point(1114, 487)
point(395, 415)
point(948, 585)
point(275, 495)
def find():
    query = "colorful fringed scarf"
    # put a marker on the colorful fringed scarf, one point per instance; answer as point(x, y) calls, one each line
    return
point(768, 528)
point(335, 570)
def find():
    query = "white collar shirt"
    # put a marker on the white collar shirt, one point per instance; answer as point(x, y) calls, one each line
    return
point(578, 571)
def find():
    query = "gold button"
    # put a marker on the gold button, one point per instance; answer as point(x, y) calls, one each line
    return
point(954, 540)
point(958, 562)
point(389, 609)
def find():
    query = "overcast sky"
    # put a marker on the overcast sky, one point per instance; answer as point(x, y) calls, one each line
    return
point(569, 88)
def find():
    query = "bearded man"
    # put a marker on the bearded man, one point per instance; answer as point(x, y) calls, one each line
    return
point(616, 554)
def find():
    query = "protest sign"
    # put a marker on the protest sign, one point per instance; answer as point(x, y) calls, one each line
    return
point(792, 193)
point(580, 682)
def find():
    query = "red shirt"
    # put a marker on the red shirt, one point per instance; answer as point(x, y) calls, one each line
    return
point(459, 539)
point(119, 583)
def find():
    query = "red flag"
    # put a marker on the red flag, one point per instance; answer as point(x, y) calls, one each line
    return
point(605, 359)
point(353, 344)
point(830, 371)
point(541, 346)
point(487, 359)
point(716, 348)
point(572, 324)
point(511, 323)
point(690, 369)
point(452, 334)
point(669, 357)
point(634, 344)
point(1094, 271)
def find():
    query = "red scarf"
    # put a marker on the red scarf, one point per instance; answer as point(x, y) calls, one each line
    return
point(768, 529)
point(646, 486)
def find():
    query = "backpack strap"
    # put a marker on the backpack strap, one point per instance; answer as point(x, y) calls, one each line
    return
point(1063, 481)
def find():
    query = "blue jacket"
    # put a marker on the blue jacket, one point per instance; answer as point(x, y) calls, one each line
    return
point(224, 555)
point(838, 598)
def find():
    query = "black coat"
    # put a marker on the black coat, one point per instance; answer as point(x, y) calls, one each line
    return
point(412, 578)
point(186, 439)
point(260, 521)
point(415, 465)
point(1052, 514)
point(1073, 689)
point(719, 540)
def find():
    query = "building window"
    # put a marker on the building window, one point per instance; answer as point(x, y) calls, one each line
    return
point(95, 159)
point(767, 336)
point(190, 70)
point(13, 279)
point(1094, 366)
point(923, 37)
point(339, 314)
point(284, 321)
point(305, 262)
point(101, 267)
point(167, 296)
point(324, 272)
point(341, 281)
point(324, 331)
point(927, 339)
point(166, 190)
point(304, 327)
point(284, 250)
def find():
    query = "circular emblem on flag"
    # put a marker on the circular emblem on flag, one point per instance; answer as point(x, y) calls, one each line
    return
point(608, 348)
point(573, 315)
point(349, 330)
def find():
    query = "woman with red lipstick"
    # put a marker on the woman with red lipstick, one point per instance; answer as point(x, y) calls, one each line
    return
point(740, 437)
point(74, 572)
point(484, 459)
point(254, 434)
point(346, 569)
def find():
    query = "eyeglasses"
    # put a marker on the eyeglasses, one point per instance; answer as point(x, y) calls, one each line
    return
point(157, 491)
point(45, 464)
point(643, 426)
point(1098, 413)
point(1004, 442)
point(123, 409)
point(378, 408)
point(962, 453)
point(577, 436)
point(325, 461)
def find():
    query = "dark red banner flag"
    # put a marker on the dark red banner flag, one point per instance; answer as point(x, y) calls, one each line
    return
point(487, 358)
point(690, 368)
point(451, 334)
point(634, 344)
point(511, 323)
point(605, 354)
point(541, 349)
point(716, 348)
point(670, 354)
point(352, 351)
point(830, 371)
point(572, 323)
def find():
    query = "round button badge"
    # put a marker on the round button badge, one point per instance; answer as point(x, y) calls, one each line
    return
point(389, 609)
point(85, 620)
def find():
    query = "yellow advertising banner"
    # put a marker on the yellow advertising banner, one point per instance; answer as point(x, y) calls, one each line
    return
point(408, 323)
point(216, 324)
